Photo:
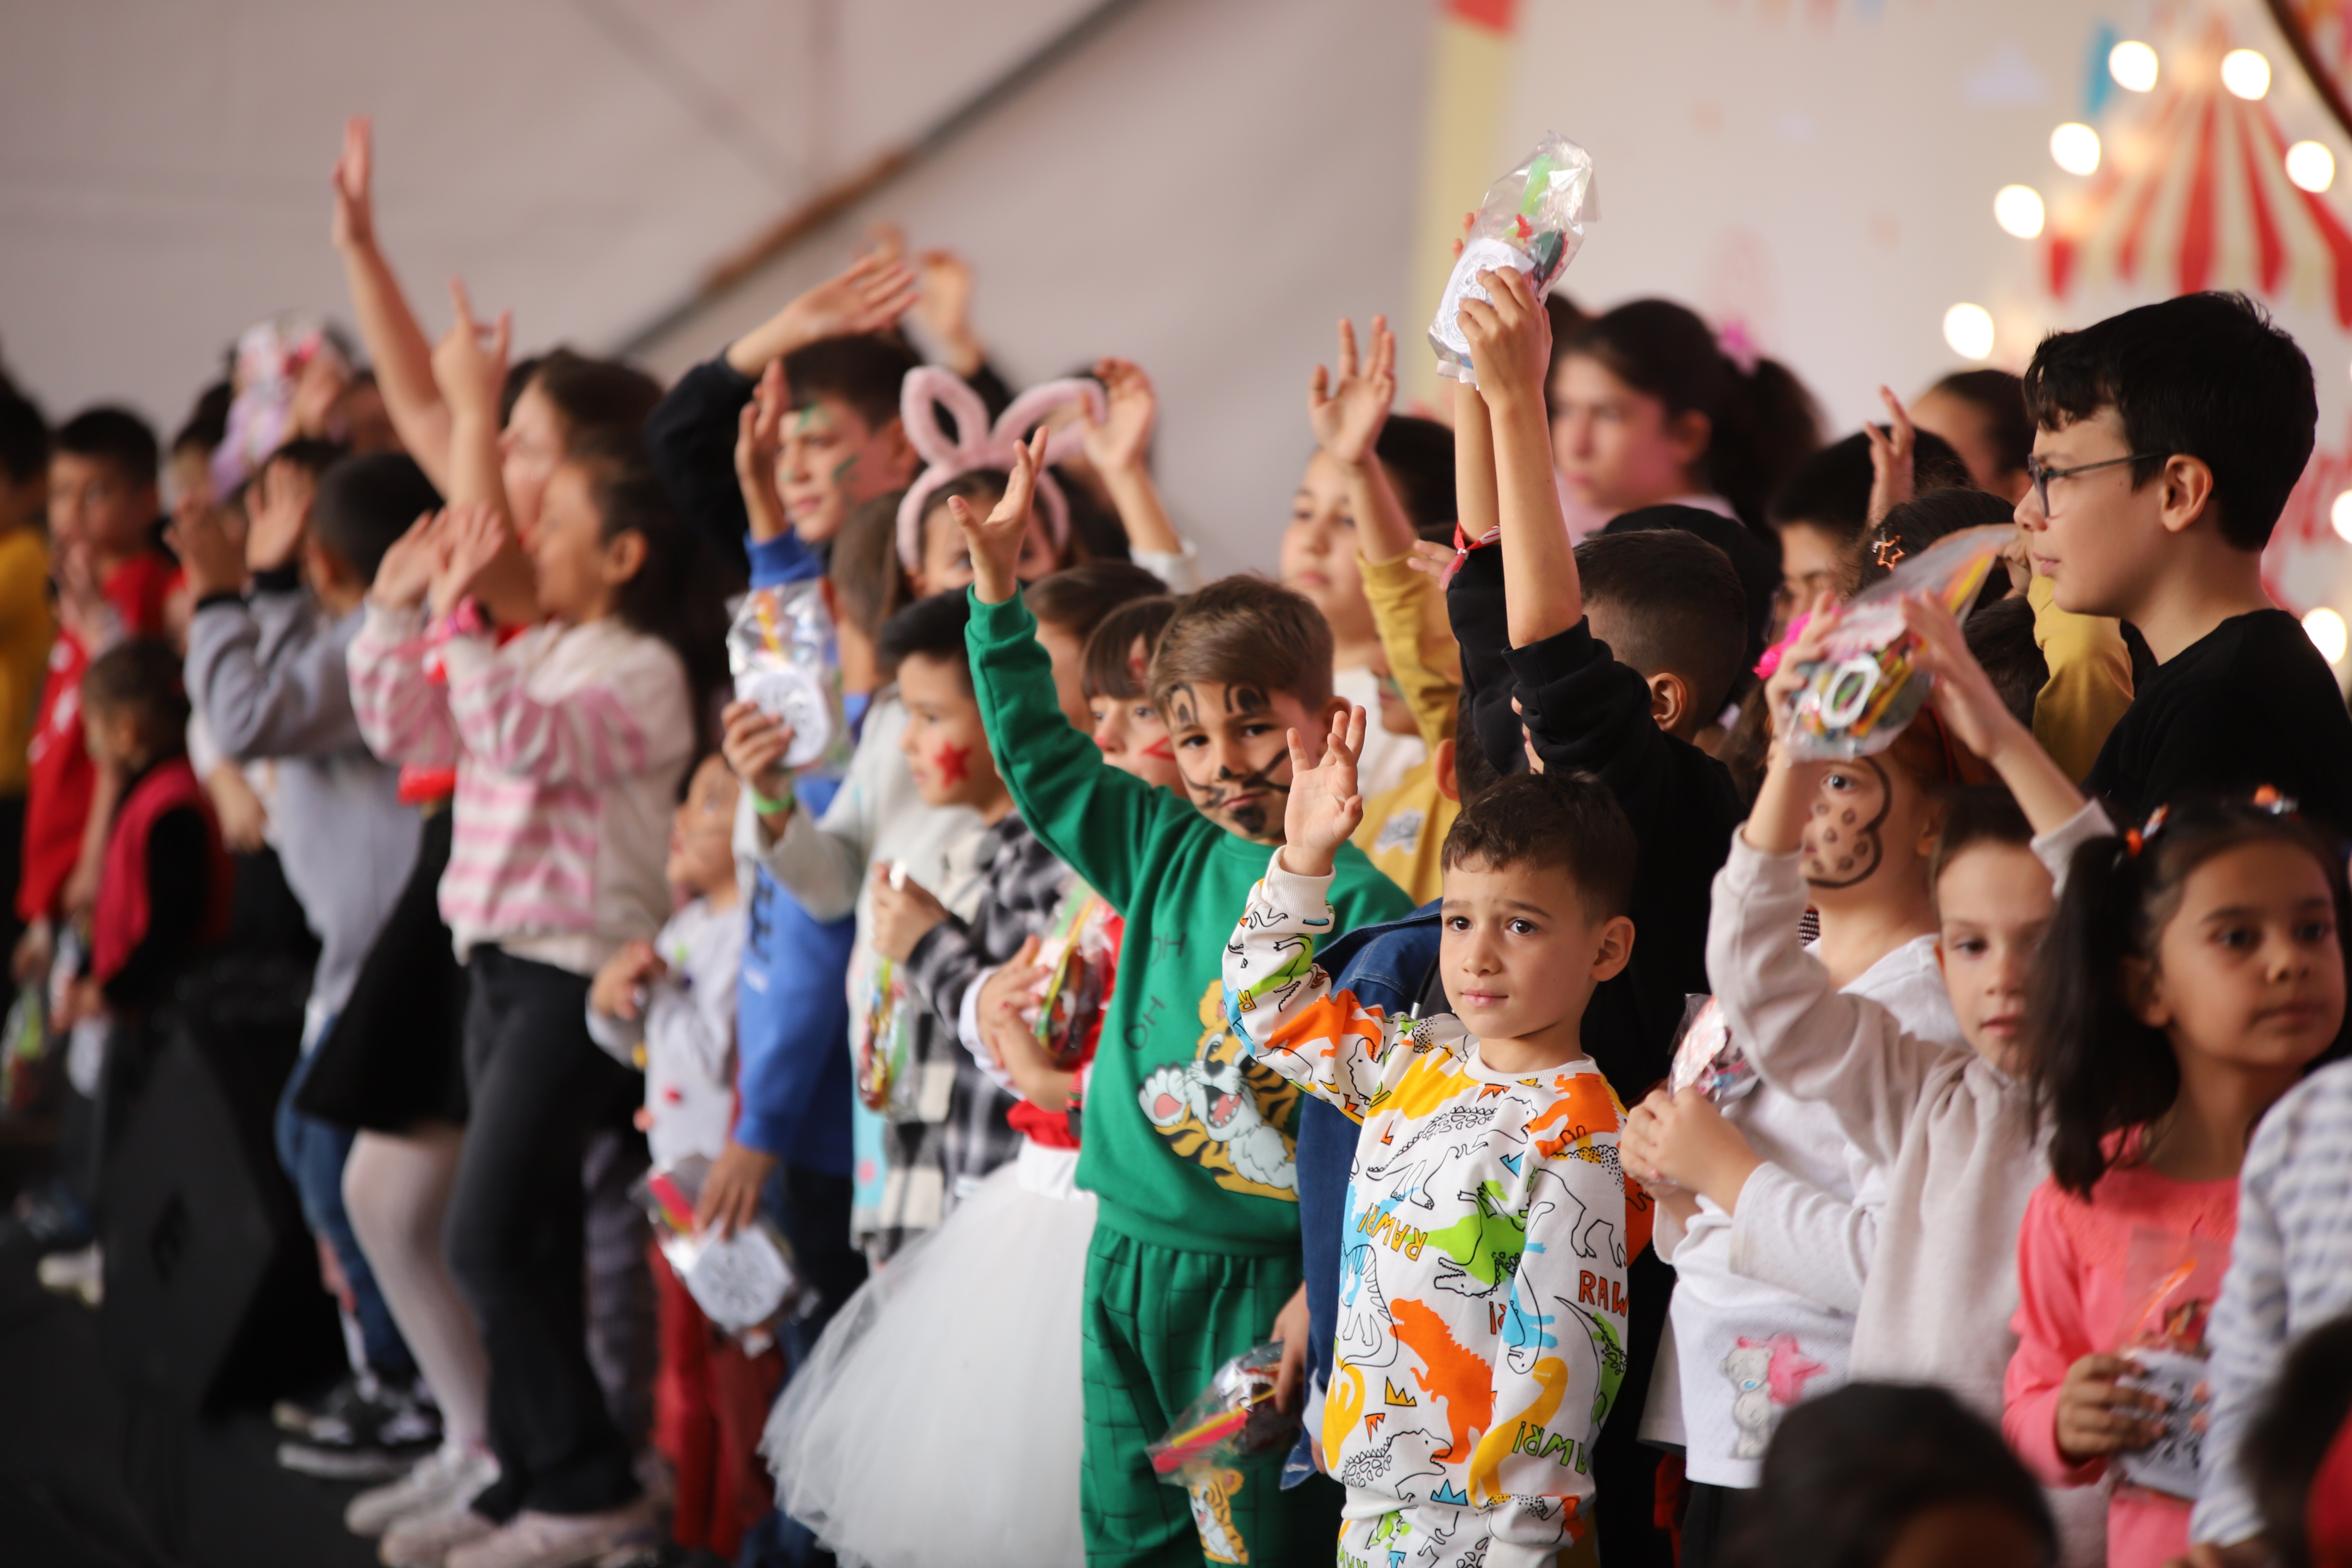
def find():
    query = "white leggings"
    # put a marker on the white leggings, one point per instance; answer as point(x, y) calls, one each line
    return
point(397, 1189)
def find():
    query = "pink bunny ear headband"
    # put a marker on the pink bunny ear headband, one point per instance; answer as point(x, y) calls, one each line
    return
point(978, 445)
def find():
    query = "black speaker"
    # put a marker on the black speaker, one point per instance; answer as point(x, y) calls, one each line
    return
point(213, 1295)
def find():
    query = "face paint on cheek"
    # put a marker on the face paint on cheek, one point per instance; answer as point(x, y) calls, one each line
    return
point(953, 763)
point(1160, 751)
point(844, 468)
point(1849, 851)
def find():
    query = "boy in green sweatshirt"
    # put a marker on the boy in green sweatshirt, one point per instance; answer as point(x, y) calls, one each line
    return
point(1187, 1140)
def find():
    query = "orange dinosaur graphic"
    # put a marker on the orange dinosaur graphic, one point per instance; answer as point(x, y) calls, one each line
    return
point(1457, 1376)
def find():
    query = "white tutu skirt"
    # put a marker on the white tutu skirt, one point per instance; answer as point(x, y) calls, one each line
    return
point(939, 1418)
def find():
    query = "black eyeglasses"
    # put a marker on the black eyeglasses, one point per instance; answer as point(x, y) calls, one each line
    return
point(2041, 473)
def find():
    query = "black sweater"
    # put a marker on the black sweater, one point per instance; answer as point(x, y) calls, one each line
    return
point(1586, 713)
point(2250, 703)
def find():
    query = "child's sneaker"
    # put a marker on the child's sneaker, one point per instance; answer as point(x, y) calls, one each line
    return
point(535, 1539)
point(425, 1540)
point(379, 1433)
point(81, 1274)
point(452, 1474)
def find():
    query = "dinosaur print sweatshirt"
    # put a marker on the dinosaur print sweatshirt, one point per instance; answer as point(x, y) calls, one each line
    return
point(1481, 1330)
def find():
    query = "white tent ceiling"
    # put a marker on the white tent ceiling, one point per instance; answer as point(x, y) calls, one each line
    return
point(164, 162)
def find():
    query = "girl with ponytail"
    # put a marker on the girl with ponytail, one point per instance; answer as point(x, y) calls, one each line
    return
point(1649, 407)
point(2193, 973)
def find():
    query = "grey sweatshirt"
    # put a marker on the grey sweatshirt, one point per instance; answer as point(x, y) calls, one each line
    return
point(267, 678)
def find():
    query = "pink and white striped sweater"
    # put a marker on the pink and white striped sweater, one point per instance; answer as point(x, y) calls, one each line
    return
point(569, 743)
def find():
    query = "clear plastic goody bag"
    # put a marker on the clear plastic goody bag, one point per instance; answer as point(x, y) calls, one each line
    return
point(1863, 689)
point(1532, 221)
point(1233, 1417)
point(744, 1281)
point(780, 649)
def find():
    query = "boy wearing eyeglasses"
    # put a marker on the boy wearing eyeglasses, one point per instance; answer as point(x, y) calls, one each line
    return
point(2168, 439)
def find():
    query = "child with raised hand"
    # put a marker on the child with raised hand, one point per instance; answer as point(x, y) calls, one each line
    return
point(1947, 1126)
point(1188, 1146)
point(1375, 483)
point(2167, 440)
point(1487, 1185)
point(569, 742)
point(2194, 973)
point(829, 432)
point(1404, 826)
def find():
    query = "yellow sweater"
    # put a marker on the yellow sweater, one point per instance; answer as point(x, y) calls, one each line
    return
point(25, 631)
point(1405, 830)
point(2090, 681)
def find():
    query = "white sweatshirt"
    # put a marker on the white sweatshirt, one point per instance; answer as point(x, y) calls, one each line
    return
point(1955, 1134)
point(1746, 1347)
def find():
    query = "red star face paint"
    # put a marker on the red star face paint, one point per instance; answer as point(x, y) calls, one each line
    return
point(953, 764)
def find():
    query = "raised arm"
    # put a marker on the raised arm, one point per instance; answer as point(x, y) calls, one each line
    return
point(1095, 819)
point(1510, 339)
point(1120, 449)
point(403, 715)
point(869, 295)
point(1278, 1000)
point(397, 345)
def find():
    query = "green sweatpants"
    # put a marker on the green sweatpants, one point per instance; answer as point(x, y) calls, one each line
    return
point(1157, 1322)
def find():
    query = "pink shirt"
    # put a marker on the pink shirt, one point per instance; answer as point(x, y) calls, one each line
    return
point(2070, 1259)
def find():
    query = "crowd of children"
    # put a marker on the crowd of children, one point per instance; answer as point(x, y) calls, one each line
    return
point(1618, 1133)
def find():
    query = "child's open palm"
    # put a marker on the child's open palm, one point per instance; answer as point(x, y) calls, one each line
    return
point(354, 222)
point(1326, 804)
point(1964, 695)
point(1348, 412)
point(1121, 440)
point(282, 498)
point(869, 295)
point(995, 541)
point(759, 437)
point(406, 572)
point(475, 534)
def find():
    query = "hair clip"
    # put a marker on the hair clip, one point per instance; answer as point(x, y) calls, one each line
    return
point(1888, 552)
point(2268, 798)
point(2136, 839)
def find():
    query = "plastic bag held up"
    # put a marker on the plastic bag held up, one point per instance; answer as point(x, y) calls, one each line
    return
point(780, 649)
point(1862, 690)
point(1532, 221)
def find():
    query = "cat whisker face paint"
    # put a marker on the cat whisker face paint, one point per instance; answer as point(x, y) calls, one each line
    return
point(1232, 749)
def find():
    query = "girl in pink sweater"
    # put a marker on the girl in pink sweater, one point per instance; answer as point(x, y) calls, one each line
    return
point(569, 739)
point(2194, 972)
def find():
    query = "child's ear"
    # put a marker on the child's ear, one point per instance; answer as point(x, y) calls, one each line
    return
point(900, 457)
point(1336, 708)
point(1688, 433)
point(2143, 992)
point(2188, 492)
point(1670, 701)
point(1615, 950)
point(1449, 783)
point(624, 556)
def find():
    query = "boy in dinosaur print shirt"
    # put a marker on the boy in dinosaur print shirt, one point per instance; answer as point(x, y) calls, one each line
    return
point(1480, 1336)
